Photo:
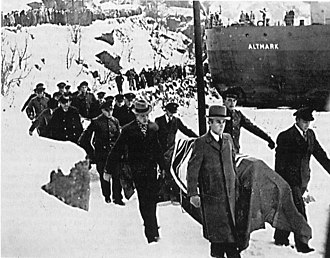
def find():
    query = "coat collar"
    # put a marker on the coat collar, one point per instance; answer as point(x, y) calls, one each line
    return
point(210, 140)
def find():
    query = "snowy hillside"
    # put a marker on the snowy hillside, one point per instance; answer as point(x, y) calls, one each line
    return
point(35, 224)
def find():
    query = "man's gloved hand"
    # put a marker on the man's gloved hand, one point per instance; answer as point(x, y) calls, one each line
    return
point(271, 144)
point(106, 176)
point(196, 201)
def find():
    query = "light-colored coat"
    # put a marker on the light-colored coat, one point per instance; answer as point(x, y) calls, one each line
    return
point(211, 168)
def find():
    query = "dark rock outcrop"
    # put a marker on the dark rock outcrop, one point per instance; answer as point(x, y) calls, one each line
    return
point(72, 189)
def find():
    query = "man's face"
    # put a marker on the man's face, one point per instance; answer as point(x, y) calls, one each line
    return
point(217, 125)
point(83, 89)
point(143, 118)
point(120, 103)
point(65, 106)
point(40, 94)
point(230, 103)
point(302, 124)
point(169, 114)
point(107, 112)
point(129, 102)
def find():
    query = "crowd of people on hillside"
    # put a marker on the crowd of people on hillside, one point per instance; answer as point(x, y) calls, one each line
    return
point(149, 77)
point(43, 15)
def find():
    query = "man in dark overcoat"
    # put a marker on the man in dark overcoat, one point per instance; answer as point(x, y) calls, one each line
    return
point(169, 125)
point(138, 141)
point(65, 124)
point(119, 81)
point(95, 109)
point(34, 94)
point(84, 100)
point(37, 104)
point(103, 131)
point(212, 184)
point(124, 113)
point(238, 120)
point(293, 152)
point(61, 90)
point(43, 119)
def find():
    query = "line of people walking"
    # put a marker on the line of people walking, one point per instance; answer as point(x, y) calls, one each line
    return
point(123, 133)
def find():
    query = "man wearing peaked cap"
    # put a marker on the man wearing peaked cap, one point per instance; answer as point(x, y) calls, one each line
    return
point(103, 131)
point(119, 97)
point(60, 92)
point(124, 112)
point(172, 107)
point(129, 96)
point(65, 124)
point(95, 110)
point(295, 146)
point(138, 142)
point(211, 184)
point(168, 127)
point(109, 98)
point(84, 100)
point(107, 105)
point(239, 120)
point(305, 113)
point(100, 94)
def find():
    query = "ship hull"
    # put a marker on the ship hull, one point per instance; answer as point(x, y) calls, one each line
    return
point(274, 66)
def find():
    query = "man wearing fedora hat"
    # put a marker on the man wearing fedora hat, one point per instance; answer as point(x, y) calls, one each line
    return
point(103, 131)
point(34, 94)
point(65, 124)
point(212, 184)
point(238, 120)
point(139, 142)
point(37, 104)
point(43, 119)
point(293, 152)
point(169, 125)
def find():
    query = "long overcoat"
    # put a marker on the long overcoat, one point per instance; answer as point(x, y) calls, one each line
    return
point(143, 152)
point(293, 155)
point(211, 168)
point(65, 126)
point(103, 133)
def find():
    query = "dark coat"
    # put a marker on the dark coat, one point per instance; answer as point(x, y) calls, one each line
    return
point(65, 126)
point(124, 114)
point(106, 131)
point(31, 97)
point(211, 168)
point(293, 155)
point(95, 109)
point(167, 131)
point(41, 122)
point(238, 120)
point(143, 152)
point(36, 106)
point(83, 103)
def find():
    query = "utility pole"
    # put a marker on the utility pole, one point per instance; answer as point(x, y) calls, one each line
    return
point(199, 69)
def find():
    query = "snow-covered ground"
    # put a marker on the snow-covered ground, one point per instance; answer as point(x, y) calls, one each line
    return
point(35, 224)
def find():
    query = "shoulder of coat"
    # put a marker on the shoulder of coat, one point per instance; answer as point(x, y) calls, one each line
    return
point(153, 126)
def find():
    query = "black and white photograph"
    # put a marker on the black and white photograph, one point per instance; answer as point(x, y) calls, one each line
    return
point(165, 129)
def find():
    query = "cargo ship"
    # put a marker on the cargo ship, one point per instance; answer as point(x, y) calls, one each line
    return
point(272, 66)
